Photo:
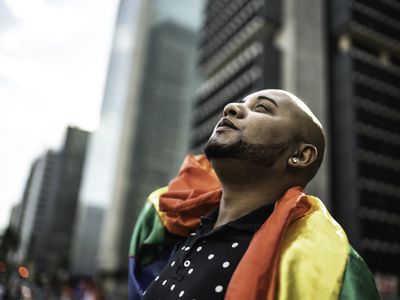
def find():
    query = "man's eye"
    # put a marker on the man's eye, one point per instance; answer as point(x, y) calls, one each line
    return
point(261, 107)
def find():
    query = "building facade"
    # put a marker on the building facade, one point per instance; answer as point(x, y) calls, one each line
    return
point(104, 178)
point(157, 126)
point(365, 116)
point(161, 128)
point(56, 253)
point(144, 124)
point(48, 208)
point(35, 206)
point(87, 234)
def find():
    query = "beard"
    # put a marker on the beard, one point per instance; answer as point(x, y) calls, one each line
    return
point(261, 154)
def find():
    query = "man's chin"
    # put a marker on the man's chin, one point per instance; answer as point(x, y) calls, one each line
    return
point(215, 149)
point(259, 154)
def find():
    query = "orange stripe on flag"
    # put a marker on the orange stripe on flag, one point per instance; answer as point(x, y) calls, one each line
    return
point(256, 276)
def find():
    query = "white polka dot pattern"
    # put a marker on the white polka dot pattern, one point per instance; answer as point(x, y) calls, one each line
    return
point(206, 260)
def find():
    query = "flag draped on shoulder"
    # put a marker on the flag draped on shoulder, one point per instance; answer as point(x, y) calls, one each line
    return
point(170, 214)
point(300, 252)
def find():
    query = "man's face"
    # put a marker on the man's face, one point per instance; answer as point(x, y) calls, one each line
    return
point(259, 129)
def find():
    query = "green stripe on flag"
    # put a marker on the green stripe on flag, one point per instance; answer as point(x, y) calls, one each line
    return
point(149, 236)
point(358, 284)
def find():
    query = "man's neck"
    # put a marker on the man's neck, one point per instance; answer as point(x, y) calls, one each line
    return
point(245, 187)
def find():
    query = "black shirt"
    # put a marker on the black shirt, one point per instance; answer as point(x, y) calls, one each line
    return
point(204, 263)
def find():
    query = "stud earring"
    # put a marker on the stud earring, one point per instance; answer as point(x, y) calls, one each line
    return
point(295, 160)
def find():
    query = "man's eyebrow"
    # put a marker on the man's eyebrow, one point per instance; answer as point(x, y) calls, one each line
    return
point(261, 97)
point(267, 98)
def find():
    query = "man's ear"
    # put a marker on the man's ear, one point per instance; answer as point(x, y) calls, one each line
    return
point(304, 156)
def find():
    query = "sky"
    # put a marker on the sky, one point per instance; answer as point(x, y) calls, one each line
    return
point(53, 62)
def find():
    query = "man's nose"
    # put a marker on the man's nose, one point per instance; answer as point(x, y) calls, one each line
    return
point(236, 110)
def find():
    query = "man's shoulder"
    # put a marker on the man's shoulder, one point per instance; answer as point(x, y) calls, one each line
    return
point(315, 248)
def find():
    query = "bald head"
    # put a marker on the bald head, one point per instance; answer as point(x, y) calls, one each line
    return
point(306, 128)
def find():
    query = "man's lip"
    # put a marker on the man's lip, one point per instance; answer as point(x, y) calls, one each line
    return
point(226, 122)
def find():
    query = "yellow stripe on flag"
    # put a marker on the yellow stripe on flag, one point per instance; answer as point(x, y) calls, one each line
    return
point(154, 199)
point(314, 256)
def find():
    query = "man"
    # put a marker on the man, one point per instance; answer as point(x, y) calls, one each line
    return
point(266, 239)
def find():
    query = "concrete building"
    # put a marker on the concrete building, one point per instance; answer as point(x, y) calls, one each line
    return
point(154, 138)
point(162, 133)
point(47, 211)
point(142, 137)
point(86, 240)
point(105, 177)
point(35, 206)
point(58, 239)
point(15, 217)
point(364, 74)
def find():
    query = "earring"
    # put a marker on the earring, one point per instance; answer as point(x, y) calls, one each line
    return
point(295, 160)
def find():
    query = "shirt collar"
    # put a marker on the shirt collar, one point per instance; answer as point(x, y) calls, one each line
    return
point(250, 222)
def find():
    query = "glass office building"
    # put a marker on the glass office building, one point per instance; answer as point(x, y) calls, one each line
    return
point(144, 123)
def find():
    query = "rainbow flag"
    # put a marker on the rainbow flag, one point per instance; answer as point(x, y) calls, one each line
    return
point(151, 246)
point(169, 215)
point(300, 252)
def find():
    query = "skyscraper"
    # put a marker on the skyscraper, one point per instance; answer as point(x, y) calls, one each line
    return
point(15, 216)
point(143, 130)
point(87, 234)
point(16, 219)
point(163, 119)
point(365, 116)
point(49, 204)
point(159, 127)
point(105, 173)
point(59, 229)
point(35, 206)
